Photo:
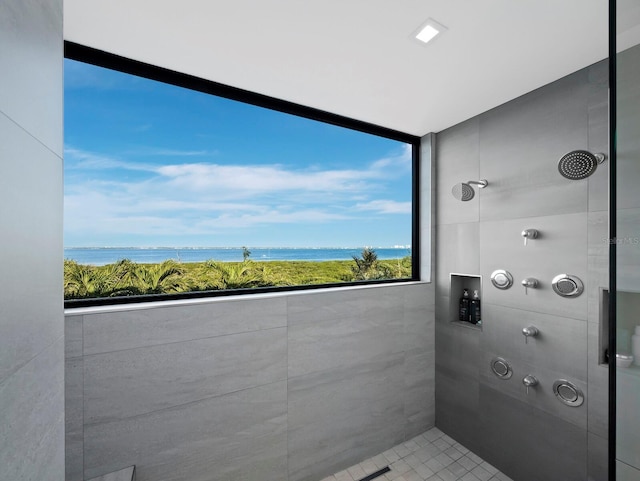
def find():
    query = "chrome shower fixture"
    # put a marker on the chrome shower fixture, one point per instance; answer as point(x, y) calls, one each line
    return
point(464, 192)
point(579, 164)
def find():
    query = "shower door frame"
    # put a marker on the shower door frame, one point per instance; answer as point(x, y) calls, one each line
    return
point(612, 238)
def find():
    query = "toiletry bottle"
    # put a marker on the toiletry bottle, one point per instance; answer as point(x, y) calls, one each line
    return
point(635, 346)
point(463, 314)
point(474, 307)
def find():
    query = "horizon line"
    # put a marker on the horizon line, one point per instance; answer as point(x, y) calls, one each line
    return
point(397, 246)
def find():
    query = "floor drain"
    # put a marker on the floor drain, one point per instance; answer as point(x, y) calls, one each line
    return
point(386, 469)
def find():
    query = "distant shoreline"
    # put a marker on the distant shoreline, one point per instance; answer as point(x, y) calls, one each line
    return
point(151, 255)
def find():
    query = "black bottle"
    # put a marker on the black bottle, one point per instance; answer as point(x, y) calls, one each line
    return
point(463, 314)
point(474, 308)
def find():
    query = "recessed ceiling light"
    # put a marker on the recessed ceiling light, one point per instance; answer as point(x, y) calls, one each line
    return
point(429, 30)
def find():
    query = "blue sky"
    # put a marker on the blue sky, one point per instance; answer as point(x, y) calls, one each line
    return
point(149, 164)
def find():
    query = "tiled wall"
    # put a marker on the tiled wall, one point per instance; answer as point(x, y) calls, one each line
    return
point(294, 387)
point(31, 320)
point(516, 147)
point(291, 386)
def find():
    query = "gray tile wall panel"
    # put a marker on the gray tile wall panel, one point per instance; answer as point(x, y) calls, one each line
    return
point(458, 405)
point(74, 399)
point(458, 358)
point(560, 346)
point(31, 319)
point(516, 147)
point(327, 331)
point(520, 144)
point(597, 463)
point(541, 397)
point(32, 419)
point(419, 319)
point(624, 472)
point(73, 337)
point(627, 251)
point(458, 348)
point(127, 329)
point(74, 418)
point(528, 444)
point(127, 383)
point(442, 310)
point(627, 402)
point(126, 474)
point(31, 213)
point(378, 375)
point(560, 248)
point(598, 143)
point(598, 233)
point(457, 252)
point(323, 305)
point(31, 57)
point(240, 436)
point(459, 146)
point(419, 392)
point(627, 121)
point(330, 415)
point(599, 134)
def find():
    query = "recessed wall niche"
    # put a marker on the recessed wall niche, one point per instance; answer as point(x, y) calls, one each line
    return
point(458, 283)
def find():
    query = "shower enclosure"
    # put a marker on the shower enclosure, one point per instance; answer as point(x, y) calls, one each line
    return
point(625, 226)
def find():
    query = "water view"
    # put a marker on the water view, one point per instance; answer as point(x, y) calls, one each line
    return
point(99, 256)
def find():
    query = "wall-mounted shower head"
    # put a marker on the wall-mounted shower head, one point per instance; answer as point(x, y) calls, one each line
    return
point(464, 192)
point(579, 164)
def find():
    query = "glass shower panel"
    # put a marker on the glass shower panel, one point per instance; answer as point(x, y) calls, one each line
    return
point(627, 264)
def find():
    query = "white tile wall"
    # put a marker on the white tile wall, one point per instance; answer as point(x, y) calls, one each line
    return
point(31, 315)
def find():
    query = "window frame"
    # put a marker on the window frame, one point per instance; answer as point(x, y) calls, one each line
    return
point(99, 58)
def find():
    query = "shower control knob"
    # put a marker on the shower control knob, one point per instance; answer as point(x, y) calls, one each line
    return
point(529, 234)
point(529, 283)
point(529, 381)
point(530, 331)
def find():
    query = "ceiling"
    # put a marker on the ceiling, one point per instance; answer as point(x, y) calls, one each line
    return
point(357, 58)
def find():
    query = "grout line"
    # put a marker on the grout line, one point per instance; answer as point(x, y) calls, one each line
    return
point(181, 405)
point(93, 354)
point(12, 372)
point(33, 136)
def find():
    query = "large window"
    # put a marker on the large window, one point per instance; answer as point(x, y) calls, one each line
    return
point(175, 186)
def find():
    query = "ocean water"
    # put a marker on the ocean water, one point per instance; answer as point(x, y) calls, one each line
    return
point(106, 255)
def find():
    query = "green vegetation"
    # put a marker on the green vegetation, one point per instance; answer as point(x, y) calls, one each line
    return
point(127, 278)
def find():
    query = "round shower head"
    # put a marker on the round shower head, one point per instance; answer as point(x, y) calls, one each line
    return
point(579, 164)
point(463, 192)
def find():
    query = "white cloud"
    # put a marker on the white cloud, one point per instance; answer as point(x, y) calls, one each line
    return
point(254, 179)
point(164, 152)
point(385, 207)
point(205, 198)
point(399, 164)
point(84, 159)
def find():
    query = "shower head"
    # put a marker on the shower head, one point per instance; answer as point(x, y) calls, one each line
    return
point(464, 192)
point(579, 164)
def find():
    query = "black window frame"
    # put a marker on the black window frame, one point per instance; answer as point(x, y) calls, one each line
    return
point(99, 58)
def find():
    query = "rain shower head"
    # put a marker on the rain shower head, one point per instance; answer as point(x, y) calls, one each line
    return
point(579, 164)
point(464, 192)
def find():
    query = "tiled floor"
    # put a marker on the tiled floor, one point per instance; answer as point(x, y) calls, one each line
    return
point(432, 456)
